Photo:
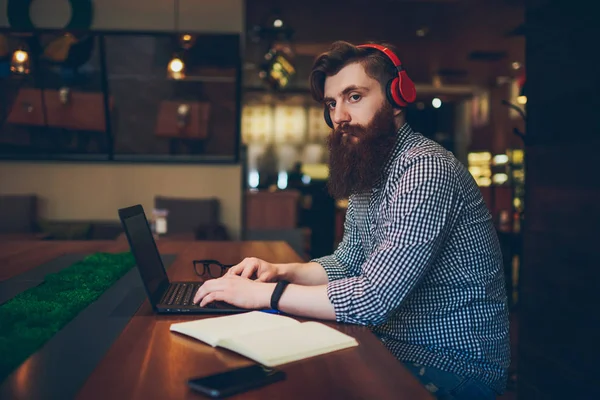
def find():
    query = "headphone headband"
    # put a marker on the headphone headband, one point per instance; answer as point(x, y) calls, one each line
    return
point(391, 55)
point(401, 90)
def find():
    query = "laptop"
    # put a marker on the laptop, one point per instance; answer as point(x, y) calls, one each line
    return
point(166, 297)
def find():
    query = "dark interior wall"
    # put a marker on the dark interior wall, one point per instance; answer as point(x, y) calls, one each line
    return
point(559, 321)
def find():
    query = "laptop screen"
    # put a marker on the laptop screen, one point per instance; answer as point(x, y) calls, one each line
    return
point(146, 255)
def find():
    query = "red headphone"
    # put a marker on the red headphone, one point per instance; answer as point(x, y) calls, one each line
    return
point(400, 90)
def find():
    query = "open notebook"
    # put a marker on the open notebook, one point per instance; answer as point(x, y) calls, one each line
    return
point(268, 339)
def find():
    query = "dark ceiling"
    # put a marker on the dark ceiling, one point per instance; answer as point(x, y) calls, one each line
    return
point(452, 42)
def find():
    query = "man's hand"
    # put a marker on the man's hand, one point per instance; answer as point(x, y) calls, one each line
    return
point(251, 266)
point(235, 290)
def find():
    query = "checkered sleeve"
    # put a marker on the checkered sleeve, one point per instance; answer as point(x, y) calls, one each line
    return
point(348, 257)
point(422, 205)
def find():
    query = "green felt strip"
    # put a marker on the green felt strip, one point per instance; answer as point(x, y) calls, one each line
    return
point(31, 318)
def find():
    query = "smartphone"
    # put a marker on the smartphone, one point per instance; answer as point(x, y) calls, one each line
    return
point(235, 381)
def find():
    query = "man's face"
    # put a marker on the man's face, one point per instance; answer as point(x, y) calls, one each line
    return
point(352, 97)
point(363, 131)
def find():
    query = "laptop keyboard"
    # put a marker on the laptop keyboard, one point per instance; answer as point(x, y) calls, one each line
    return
point(181, 294)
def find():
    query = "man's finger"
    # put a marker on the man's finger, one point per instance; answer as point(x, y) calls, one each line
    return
point(237, 269)
point(233, 270)
point(209, 298)
point(248, 271)
point(199, 294)
point(206, 299)
point(207, 287)
point(266, 277)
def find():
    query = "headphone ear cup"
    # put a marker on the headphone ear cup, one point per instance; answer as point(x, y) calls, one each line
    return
point(393, 93)
point(327, 117)
point(389, 92)
point(406, 88)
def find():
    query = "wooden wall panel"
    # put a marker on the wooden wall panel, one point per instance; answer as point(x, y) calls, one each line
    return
point(272, 210)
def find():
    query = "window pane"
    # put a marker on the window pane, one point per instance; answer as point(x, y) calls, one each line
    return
point(58, 108)
point(156, 116)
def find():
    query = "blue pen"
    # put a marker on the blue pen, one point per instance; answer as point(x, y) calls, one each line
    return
point(270, 311)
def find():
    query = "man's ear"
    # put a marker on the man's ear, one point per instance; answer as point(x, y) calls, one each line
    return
point(397, 111)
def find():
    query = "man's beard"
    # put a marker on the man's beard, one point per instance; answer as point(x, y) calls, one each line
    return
point(356, 167)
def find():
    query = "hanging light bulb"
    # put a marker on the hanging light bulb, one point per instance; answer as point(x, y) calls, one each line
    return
point(176, 68)
point(20, 62)
point(186, 41)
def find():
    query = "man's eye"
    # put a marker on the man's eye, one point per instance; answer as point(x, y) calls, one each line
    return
point(355, 97)
point(331, 105)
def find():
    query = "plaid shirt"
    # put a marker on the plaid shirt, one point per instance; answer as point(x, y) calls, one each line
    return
point(420, 264)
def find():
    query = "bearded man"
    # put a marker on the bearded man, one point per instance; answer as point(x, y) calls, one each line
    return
point(419, 263)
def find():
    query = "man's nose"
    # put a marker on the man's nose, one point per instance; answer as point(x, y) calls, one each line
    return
point(340, 115)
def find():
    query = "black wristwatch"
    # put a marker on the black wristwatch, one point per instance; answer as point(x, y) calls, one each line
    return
point(279, 288)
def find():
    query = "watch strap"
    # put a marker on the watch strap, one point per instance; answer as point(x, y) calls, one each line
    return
point(277, 292)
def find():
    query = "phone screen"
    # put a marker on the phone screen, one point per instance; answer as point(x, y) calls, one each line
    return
point(236, 381)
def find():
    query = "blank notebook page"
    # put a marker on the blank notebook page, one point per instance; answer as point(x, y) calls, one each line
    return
point(290, 343)
point(213, 330)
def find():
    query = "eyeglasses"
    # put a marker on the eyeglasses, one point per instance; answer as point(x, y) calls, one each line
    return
point(212, 268)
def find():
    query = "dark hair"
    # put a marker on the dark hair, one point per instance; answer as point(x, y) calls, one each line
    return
point(376, 64)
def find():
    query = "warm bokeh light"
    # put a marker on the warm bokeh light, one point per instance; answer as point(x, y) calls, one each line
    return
point(500, 159)
point(21, 56)
point(176, 65)
point(20, 62)
point(176, 68)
